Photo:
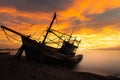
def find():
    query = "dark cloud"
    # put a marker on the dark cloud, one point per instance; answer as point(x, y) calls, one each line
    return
point(74, 23)
point(97, 21)
point(109, 17)
point(37, 5)
point(11, 20)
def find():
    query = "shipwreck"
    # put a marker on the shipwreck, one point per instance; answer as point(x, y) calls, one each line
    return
point(40, 51)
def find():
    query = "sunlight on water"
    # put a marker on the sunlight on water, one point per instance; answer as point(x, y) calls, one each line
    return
point(100, 61)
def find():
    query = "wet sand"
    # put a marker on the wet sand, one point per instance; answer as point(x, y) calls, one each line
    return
point(22, 69)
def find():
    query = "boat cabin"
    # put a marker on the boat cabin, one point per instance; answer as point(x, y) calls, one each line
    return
point(68, 48)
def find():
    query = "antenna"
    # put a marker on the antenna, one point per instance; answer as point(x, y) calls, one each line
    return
point(71, 33)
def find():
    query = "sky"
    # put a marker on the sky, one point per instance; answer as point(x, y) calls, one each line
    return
point(95, 22)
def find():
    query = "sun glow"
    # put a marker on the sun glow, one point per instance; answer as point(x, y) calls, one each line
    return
point(80, 15)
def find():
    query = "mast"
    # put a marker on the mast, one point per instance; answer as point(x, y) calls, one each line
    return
point(49, 29)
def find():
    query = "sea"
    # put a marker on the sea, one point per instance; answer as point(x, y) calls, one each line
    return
point(103, 62)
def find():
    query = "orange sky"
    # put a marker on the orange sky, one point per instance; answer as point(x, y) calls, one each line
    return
point(96, 22)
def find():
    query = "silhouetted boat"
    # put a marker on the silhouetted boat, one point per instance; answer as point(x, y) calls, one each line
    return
point(40, 51)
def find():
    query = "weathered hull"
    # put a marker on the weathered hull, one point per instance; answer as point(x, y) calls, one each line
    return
point(37, 51)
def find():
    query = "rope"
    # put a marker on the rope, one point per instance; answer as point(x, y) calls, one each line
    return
point(40, 36)
point(48, 16)
point(53, 42)
point(37, 31)
point(11, 37)
point(60, 25)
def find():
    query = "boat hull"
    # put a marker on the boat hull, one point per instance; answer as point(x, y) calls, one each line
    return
point(46, 54)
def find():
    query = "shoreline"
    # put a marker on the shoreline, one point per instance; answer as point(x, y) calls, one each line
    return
point(22, 69)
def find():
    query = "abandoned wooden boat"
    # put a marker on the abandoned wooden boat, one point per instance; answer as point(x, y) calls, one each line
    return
point(40, 51)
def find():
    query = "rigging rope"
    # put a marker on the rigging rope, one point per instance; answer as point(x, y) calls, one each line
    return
point(43, 24)
point(11, 37)
point(40, 36)
point(37, 32)
point(53, 42)
point(60, 25)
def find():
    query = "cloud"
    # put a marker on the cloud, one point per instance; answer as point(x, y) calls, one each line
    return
point(97, 21)
point(109, 17)
point(110, 48)
point(11, 20)
point(74, 23)
point(37, 5)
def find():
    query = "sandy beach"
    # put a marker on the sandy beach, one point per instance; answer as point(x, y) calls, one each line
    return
point(22, 69)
